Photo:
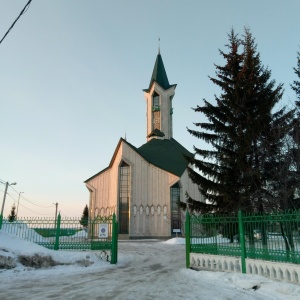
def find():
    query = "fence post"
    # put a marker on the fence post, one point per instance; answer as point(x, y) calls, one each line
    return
point(242, 241)
point(187, 238)
point(1, 219)
point(114, 245)
point(117, 238)
point(57, 233)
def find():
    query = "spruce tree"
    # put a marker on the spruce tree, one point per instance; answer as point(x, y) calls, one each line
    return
point(85, 217)
point(278, 165)
point(293, 201)
point(296, 84)
point(12, 216)
point(286, 160)
point(233, 174)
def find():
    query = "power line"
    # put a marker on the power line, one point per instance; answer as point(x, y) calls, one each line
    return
point(11, 196)
point(2, 181)
point(31, 201)
point(36, 204)
point(35, 211)
point(13, 24)
point(21, 196)
point(29, 208)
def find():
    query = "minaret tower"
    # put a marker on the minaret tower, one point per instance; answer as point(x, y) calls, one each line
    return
point(159, 97)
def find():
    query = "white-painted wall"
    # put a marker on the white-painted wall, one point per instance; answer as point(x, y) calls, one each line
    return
point(270, 269)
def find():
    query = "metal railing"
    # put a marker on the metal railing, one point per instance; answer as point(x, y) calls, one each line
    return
point(100, 233)
point(272, 237)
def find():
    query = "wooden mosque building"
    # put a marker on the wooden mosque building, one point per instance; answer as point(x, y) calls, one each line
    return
point(142, 185)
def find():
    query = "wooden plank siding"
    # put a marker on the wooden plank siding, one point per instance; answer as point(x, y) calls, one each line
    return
point(150, 186)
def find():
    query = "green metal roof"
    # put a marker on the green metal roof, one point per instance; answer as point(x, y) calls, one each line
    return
point(165, 154)
point(156, 132)
point(159, 75)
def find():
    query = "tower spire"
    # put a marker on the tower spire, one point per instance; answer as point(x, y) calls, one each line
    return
point(159, 97)
point(158, 45)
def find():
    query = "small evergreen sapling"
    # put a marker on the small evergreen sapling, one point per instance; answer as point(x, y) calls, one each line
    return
point(85, 217)
point(12, 216)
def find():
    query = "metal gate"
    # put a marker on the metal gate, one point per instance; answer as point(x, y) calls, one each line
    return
point(99, 234)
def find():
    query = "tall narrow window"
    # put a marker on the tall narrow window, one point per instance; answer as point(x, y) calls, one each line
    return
point(171, 118)
point(156, 111)
point(156, 106)
point(175, 209)
point(124, 197)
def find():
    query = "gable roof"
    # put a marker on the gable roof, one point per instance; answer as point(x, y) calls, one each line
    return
point(111, 161)
point(167, 155)
point(159, 75)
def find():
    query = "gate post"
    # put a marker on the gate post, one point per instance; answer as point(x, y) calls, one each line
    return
point(114, 241)
point(242, 241)
point(57, 233)
point(187, 238)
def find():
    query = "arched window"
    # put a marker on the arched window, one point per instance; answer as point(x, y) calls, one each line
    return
point(124, 198)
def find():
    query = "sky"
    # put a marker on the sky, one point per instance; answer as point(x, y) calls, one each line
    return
point(72, 75)
point(155, 270)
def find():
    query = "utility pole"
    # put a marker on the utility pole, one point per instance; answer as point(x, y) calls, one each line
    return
point(18, 203)
point(3, 202)
point(4, 197)
point(56, 206)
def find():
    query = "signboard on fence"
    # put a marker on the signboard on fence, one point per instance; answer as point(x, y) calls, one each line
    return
point(103, 230)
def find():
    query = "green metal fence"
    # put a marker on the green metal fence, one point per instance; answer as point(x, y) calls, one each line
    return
point(68, 234)
point(273, 237)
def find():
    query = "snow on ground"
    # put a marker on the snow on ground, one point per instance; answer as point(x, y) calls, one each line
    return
point(175, 241)
point(145, 270)
point(81, 234)
point(22, 230)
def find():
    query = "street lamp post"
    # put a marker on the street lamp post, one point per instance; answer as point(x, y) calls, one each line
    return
point(18, 203)
point(3, 202)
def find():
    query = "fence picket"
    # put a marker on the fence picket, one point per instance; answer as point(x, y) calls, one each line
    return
point(68, 233)
point(274, 236)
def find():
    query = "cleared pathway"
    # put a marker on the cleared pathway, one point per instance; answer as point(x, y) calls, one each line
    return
point(154, 270)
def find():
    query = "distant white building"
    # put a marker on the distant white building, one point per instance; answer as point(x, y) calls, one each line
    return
point(143, 185)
